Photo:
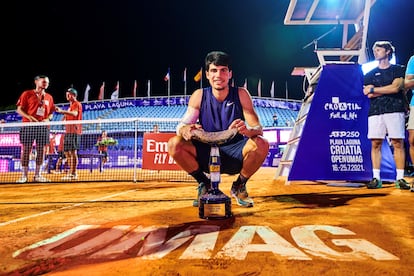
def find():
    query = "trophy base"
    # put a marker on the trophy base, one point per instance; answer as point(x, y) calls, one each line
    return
point(215, 205)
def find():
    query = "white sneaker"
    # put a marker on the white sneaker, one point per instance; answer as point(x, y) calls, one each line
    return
point(22, 179)
point(70, 177)
point(67, 177)
point(41, 179)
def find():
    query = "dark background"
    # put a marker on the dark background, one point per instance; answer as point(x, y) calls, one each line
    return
point(88, 42)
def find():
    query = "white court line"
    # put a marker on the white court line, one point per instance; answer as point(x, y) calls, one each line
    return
point(63, 208)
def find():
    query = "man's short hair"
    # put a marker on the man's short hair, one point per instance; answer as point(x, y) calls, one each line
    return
point(217, 58)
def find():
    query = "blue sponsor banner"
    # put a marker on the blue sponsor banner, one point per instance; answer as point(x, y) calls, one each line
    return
point(122, 103)
point(334, 143)
point(277, 104)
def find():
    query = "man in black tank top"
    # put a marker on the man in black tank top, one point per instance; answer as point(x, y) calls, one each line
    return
point(218, 108)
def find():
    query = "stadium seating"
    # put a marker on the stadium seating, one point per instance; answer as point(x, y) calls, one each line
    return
point(265, 114)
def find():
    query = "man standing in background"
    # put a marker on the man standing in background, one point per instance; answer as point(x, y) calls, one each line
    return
point(35, 105)
point(73, 132)
point(386, 115)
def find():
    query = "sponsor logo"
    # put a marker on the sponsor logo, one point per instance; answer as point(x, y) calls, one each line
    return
point(96, 242)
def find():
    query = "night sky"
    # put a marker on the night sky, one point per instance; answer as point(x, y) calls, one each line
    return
point(88, 42)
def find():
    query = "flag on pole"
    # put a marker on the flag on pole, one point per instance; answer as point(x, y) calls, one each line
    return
point(259, 88)
point(287, 91)
point(86, 95)
point(134, 90)
point(272, 90)
point(245, 83)
point(101, 91)
point(167, 76)
point(199, 75)
point(149, 88)
point(185, 80)
point(115, 94)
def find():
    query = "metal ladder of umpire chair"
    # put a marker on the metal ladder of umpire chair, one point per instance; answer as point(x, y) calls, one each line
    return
point(312, 75)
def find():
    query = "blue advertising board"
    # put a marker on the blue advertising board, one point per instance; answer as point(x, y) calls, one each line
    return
point(334, 143)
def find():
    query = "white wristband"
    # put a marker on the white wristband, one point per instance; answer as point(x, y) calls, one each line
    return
point(190, 117)
point(258, 127)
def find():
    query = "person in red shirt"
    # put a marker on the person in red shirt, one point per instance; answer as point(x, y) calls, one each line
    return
point(35, 105)
point(73, 132)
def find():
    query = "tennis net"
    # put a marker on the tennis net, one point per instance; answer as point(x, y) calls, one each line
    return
point(135, 150)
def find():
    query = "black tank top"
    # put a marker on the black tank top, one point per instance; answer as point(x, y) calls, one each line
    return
point(217, 116)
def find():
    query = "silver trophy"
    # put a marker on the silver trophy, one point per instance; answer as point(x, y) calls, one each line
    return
point(214, 204)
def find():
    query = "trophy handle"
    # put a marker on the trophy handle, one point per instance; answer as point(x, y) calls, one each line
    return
point(214, 138)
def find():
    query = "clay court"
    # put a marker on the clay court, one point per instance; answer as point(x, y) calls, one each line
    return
point(151, 228)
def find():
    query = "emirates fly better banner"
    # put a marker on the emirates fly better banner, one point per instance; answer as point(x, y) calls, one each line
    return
point(155, 152)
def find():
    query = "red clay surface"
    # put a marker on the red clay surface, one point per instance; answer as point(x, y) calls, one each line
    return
point(151, 228)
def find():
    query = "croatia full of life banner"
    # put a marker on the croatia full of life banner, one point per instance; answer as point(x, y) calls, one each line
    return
point(334, 143)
